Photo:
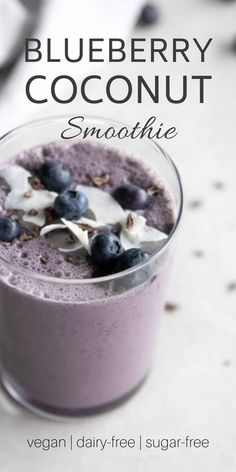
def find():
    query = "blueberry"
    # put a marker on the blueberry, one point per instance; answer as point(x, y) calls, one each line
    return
point(149, 15)
point(105, 248)
point(54, 177)
point(70, 204)
point(131, 196)
point(9, 229)
point(129, 258)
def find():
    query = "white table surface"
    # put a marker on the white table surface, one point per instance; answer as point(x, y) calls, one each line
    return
point(192, 388)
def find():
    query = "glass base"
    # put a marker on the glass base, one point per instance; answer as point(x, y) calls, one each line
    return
point(54, 413)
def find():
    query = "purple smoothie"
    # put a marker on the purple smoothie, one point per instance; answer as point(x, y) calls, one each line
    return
point(68, 347)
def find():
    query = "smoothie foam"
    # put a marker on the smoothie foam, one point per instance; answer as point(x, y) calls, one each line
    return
point(85, 161)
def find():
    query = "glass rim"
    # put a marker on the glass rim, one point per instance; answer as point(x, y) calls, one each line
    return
point(154, 256)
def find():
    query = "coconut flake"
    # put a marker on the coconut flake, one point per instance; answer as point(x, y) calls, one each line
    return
point(150, 234)
point(37, 219)
point(23, 197)
point(38, 200)
point(68, 247)
point(130, 236)
point(16, 177)
point(47, 229)
point(91, 223)
point(139, 233)
point(126, 242)
point(81, 235)
point(71, 248)
point(105, 208)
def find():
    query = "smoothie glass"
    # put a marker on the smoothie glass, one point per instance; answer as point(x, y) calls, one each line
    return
point(72, 347)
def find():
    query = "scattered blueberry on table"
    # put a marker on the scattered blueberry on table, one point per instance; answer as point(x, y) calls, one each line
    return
point(70, 204)
point(149, 15)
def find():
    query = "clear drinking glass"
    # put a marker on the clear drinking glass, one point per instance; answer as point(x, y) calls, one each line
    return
point(72, 347)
